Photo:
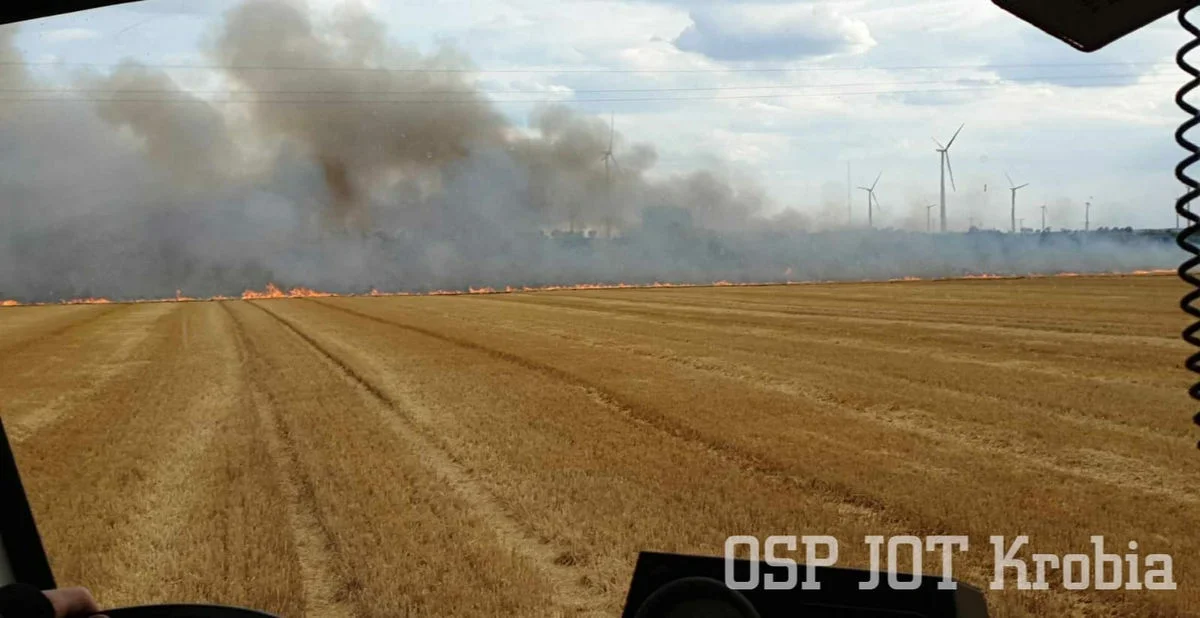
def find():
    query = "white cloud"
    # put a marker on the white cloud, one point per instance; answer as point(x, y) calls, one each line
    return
point(769, 32)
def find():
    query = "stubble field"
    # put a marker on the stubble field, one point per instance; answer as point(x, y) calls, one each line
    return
point(509, 454)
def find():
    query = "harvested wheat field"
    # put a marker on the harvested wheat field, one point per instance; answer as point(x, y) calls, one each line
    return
point(509, 454)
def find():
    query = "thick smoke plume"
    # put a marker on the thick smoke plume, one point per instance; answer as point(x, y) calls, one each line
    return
point(308, 164)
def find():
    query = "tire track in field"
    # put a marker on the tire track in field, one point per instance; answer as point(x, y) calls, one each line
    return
point(782, 332)
point(30, 422)
point(166, 494)
point(699, 311)
point(1066, 414)
point(164, 499)
point(79, 322)
point(539, 553)
point(783, 324)
point(967, 315)
point(312, 538)
point(779, 326)
point(841, 497)
point(1102, 467)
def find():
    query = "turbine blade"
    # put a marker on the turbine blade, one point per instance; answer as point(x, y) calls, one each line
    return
point(615, 163)
point(939, 144)
point(1010, 180)
point(876, 181)
point(1023, 186)
point(960, 128)
point(951, 168)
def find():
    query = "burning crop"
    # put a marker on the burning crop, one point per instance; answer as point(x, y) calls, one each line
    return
point(271, 290)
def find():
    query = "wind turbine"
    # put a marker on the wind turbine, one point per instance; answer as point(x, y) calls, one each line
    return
point(871, 199)
point(928, 220)
point(1012, 187)
point(1043, 217)
point(607, 157)
point(945, 152)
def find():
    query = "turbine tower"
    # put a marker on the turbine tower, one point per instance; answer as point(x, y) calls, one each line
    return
point(1043, 217)
point(609, 157)
point(928, 217)
point(871, 201)
point(1012, 187)
point(945, 152)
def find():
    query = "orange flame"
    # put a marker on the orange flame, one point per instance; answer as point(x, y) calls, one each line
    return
point(269, 292)
point(273, 291)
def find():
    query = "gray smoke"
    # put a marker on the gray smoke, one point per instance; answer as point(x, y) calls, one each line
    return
point(326, 171)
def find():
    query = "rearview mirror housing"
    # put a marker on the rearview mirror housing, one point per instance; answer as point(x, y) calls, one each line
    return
point(1089, 25)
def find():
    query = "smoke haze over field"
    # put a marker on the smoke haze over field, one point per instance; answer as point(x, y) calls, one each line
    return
point(332, 174)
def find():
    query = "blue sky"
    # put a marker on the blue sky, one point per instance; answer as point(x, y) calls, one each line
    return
point(784, 94)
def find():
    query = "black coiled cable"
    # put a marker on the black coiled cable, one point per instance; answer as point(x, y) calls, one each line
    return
point(1184, 238)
